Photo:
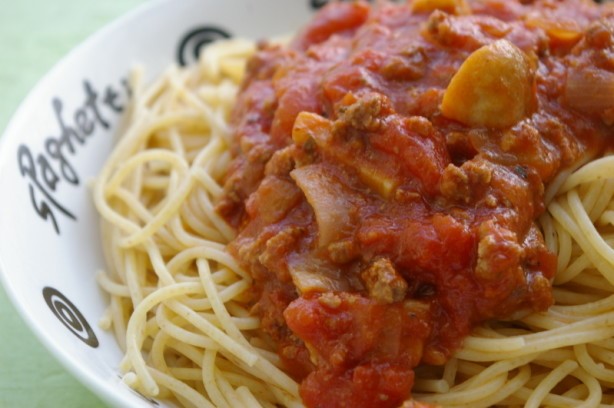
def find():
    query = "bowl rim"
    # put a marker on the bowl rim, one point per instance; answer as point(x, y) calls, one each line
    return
point(102, 388)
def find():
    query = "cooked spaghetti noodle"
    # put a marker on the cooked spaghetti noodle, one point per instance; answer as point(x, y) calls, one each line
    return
point(179, 303)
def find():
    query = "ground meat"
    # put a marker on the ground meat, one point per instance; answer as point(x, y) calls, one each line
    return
point(384, 284)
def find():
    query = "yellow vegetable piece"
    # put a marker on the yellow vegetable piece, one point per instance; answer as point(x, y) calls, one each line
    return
point(377, 180)
point(563, 36)
point(563, 33)
point(311, 126)
point(494, 87)
point(457, 7)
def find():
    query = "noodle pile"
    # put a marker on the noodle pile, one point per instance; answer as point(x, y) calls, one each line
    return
point(179, 302)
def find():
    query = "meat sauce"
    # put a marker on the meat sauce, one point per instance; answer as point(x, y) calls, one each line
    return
point(390, 164)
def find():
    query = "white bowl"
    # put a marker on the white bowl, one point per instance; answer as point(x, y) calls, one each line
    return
point(58, 140)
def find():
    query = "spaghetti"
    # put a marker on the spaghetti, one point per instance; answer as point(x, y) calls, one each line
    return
point(180, 303)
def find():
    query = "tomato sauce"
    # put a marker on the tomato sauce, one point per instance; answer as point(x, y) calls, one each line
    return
point(390, 164)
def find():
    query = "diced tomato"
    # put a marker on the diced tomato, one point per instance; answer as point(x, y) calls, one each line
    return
point(332, 19)
point(366, 351)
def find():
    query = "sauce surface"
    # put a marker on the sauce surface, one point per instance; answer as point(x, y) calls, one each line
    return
point(389, 168)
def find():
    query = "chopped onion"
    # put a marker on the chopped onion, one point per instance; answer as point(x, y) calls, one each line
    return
point(563, 32)
point(589, 90)
point(314, 275)
point(329, 200)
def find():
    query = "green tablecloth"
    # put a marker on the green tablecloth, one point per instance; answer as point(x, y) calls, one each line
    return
point(34, 34)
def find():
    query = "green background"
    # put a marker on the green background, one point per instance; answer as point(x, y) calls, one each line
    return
point(34, 35)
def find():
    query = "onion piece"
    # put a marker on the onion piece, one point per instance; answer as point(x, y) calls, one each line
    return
point(561, 32)
point(590, 90)
point(328, 198)
point(311, 274)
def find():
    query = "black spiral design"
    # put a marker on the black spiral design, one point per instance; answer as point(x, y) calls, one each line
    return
point(70, 316)
point(316, 4)
point(192, 42)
